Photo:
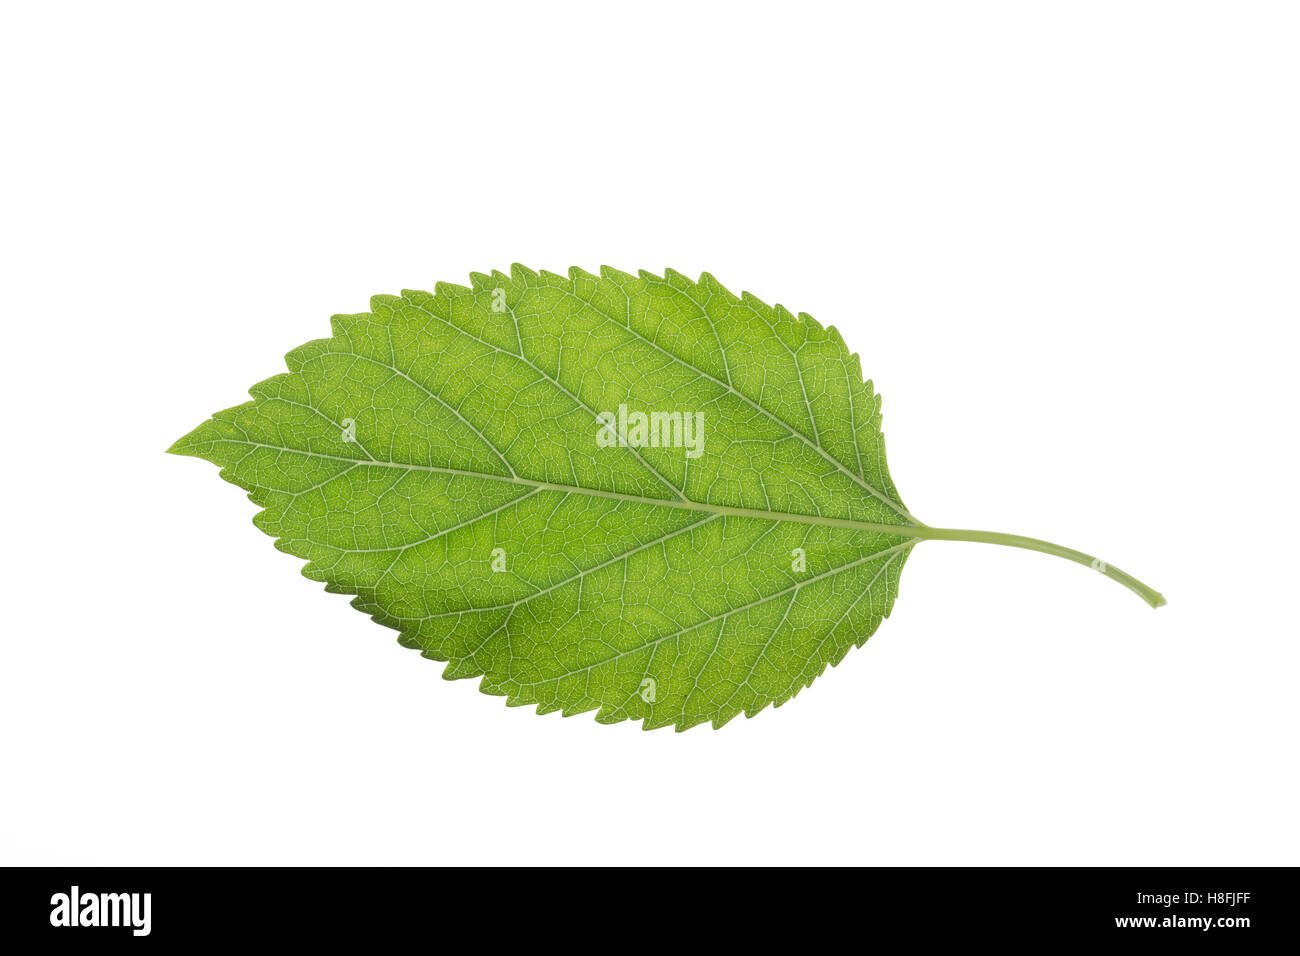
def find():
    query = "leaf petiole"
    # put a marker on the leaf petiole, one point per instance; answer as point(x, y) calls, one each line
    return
point(1148, 594)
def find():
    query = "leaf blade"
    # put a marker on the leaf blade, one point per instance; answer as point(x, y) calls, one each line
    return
point(405, 515)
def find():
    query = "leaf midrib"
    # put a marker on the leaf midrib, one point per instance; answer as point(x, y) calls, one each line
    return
point(914, 531)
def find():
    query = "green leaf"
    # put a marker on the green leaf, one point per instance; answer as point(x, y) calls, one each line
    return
point(472, 466)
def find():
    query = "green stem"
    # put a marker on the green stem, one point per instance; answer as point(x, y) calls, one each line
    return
point(1150, 595)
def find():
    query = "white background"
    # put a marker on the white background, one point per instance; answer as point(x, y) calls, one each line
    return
point(1064, 238)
